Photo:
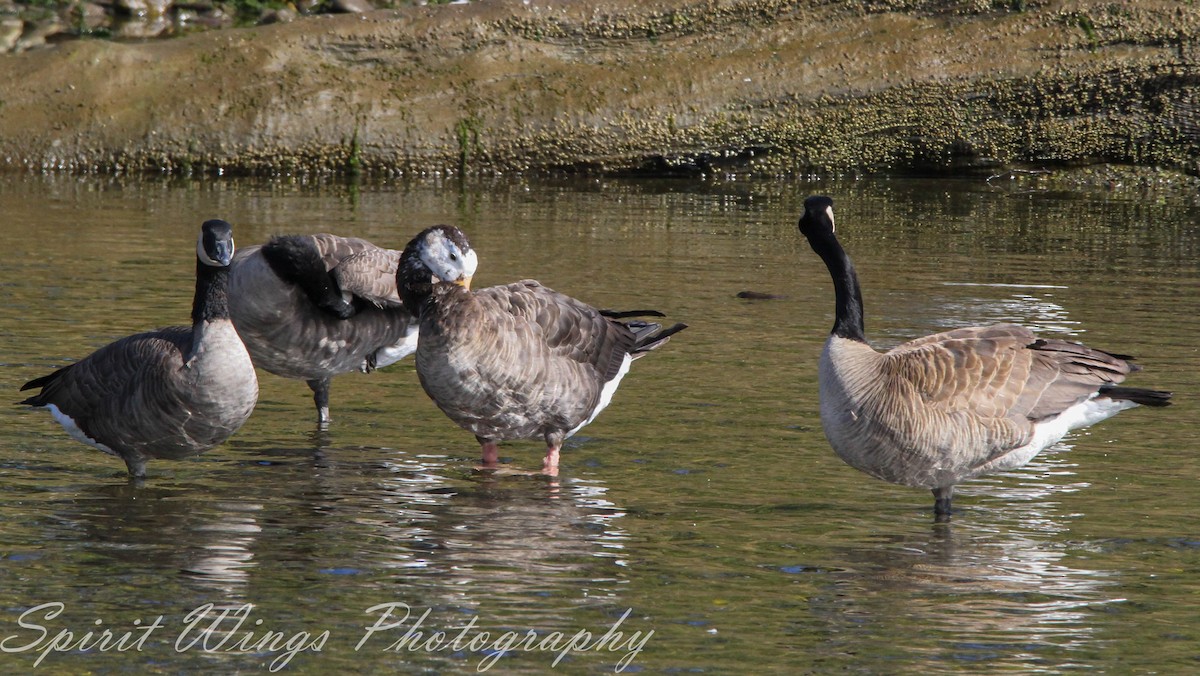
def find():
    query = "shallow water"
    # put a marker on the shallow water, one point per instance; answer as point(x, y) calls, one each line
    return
point(703, 505)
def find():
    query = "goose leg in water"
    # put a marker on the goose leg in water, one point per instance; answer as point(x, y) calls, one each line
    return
point(320, 390)
point(550, 464)
point(491, 452)
point(941, 500)
point(136, 463)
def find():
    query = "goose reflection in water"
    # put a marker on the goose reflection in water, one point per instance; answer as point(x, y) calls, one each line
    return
point(210, 539)
point(504, 539)
point(999, 587)
point(414, 525)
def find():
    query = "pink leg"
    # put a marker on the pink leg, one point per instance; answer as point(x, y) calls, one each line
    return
point(491, 454)
point(550, 464)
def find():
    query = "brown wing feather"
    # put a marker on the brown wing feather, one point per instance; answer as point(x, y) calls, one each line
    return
point(1070, 373)
point(517, 361)
point(360, 267)
point(1003, 371)
point(116, 394)
point(371, 275)
point(335, 248)
point(569, 328)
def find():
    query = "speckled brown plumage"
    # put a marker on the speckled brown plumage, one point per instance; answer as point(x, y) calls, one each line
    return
point(516, 361)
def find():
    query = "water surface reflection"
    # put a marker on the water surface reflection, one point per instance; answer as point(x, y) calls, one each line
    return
point(705, 500)
point(969, 593)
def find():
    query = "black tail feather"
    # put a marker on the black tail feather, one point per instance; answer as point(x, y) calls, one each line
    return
point(655, 340)
point(37, 399)
point(1137, 395)
point(39, 382)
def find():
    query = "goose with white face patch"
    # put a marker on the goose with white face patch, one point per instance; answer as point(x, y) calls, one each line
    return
point(311, 307)
point(170, 393)
point(518, 361)
point(946, 408)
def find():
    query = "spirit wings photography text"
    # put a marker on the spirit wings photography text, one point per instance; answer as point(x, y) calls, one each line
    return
point(390, 627)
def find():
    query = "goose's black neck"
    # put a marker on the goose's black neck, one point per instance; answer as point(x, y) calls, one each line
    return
point(414, 282)
point(848, 304)
point(212, 293)
point(296, 260)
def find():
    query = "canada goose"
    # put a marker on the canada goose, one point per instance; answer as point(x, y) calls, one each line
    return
point(942, 409)
point(518, 361)
point(169, 393)
point(314, 306)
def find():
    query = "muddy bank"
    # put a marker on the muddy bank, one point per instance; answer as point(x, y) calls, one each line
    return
point(664, 86)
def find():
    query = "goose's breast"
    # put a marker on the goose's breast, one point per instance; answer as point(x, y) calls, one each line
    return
point(220, 383)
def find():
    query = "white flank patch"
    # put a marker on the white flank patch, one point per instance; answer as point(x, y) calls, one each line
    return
point(69, 425)
point(386, 356)
point(606, 394)
point(1083, 414)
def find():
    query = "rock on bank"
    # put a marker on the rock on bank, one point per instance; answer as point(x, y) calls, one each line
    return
point(659, 86)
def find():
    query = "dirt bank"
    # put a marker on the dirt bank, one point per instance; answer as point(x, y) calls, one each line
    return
point(665, 86)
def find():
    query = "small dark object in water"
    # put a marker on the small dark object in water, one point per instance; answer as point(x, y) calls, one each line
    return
point(759, 295)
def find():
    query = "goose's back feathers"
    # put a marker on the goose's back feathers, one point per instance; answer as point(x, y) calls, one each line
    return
point(1004, 371)
point(521, 360)
point(290, 336)
point(517, 361)
point(334, 248)
point(569, 329)
point(951, 406)
point(370, 275)
point(954, 405)
point(360, 268)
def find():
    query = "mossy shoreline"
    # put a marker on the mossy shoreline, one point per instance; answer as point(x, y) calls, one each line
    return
point(666, 87)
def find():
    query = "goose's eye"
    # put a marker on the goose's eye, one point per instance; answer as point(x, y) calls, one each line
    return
point(453, 257)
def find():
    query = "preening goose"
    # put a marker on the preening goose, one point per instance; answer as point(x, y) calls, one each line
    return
point(311, 307)
point(168, 393)
point(942, 409)
point(518, 361)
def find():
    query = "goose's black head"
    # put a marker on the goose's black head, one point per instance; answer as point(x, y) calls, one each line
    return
point(215, 245)
point(438, 254)
point(817, 219)
point(214, 253)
